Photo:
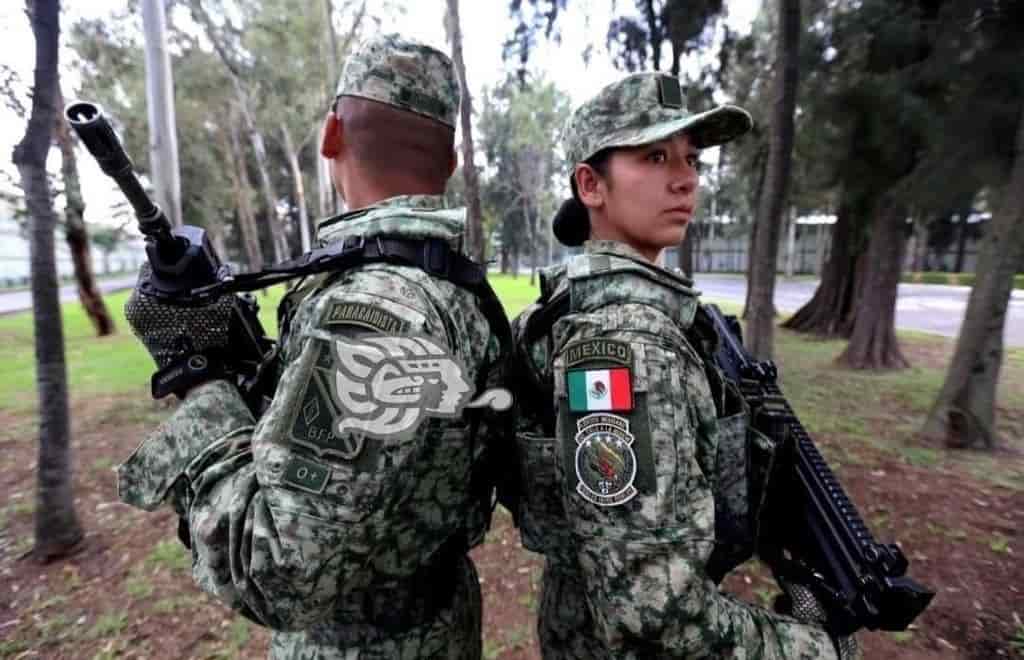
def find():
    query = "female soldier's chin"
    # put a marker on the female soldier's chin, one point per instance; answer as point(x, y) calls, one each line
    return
point(673, 236)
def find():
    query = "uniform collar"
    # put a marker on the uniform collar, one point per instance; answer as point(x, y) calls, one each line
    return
point(619, 249)
point(417, 202)
point(406, 216)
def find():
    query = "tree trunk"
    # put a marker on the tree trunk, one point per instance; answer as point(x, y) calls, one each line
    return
point(77, 235)
point(653, 32)
point(474, 212)
point(829, 313)
point(963, 415)
point(761, 321)
point(235, 166)
point(873, 343)
point(163, 137)
point(791, 244)
point(277, 235)
point(57, 530)
point(961, 244)
point(532, 231)
point(686, 252)
point(324, 187)
point(300, 190)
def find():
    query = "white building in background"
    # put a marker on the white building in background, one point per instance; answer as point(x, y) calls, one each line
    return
point(15, 265)
point(803, 247)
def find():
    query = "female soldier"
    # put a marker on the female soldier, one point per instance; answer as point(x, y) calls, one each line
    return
point(618, 436)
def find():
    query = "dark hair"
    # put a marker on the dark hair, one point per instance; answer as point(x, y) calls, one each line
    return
point(599, 163)
point(571, 225)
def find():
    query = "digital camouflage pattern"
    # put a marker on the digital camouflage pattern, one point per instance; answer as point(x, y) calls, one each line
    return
point(631, 581)
point(406, 74)
point(644, 108)
point(348, 554)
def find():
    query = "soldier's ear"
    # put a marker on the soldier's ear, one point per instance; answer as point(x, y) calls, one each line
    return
point(589, 186)
point(331, 136)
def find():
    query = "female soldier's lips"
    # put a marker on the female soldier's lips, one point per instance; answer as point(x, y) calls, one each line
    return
point(688, 210)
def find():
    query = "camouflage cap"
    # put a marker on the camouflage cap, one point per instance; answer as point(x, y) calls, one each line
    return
point(404, 73)
point(644, 108)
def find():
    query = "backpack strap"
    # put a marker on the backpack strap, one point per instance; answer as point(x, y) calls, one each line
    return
point(532, 390)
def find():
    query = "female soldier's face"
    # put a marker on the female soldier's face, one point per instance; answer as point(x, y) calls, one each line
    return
point(649, 195)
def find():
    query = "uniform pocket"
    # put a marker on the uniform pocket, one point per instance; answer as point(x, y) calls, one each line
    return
point(734, 541)
point(543, 512)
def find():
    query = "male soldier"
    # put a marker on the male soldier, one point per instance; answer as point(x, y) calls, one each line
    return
point(341, 517)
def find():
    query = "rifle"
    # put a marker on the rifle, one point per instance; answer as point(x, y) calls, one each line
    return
point(186, 270)
point(810, 531)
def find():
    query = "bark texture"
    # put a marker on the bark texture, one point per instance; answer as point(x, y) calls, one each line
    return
point(963, 414)
point(235, 166)
point(299, 187)
point(873, 343)
point(761, 309)
point(163, 136)
point(686, 252)
point(245, 105)
point(57, 530)
point(474, 211)
point(76, 233)
point(829, 313)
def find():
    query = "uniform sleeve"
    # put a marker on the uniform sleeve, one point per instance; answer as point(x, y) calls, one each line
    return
point(640, 504)
point(287, 516)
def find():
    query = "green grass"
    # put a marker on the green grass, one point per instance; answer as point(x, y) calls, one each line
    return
point(108, 625)
point(112, 365)
point(955, 279)
point(170, 554)
point(515, 292)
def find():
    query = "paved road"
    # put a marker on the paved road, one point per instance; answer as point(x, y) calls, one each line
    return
point(18, 301)
point(925, 307)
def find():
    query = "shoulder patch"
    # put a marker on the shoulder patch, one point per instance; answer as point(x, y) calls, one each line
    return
point(363, 315)
point(306, 475)
point(603, 377)
point(313, 420)
point(605, 463)
point(378, 387)
point(595, 350)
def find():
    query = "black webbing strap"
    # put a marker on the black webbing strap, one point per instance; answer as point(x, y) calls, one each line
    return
point(539, 395)
point(432, 255)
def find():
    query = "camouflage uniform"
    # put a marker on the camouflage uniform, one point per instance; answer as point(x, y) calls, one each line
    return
point(619, 490)
point(347, 546)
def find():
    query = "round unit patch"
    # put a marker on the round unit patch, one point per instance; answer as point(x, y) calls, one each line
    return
point(605, 461)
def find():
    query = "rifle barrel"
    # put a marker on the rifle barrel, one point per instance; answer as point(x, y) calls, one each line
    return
point(98, 136)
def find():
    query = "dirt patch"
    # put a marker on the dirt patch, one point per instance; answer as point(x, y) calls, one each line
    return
point(127, 593)
point(963, 540)
point(931, 353)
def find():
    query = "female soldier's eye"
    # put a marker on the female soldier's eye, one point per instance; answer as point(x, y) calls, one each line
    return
point(694, 162)
point(657, 156)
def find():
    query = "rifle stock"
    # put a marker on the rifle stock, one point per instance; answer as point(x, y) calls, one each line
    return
point(810, 530)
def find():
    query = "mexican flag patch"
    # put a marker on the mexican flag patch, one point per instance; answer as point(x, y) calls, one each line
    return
point(600, 390)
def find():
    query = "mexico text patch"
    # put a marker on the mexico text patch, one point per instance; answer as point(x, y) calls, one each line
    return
point(598, 350)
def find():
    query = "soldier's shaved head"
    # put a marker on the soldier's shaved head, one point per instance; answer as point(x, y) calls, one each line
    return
point(395, 145)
